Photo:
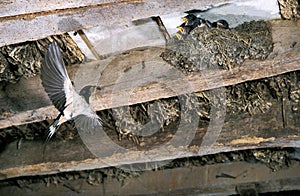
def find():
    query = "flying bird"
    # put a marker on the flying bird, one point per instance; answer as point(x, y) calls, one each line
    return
point(58, 86)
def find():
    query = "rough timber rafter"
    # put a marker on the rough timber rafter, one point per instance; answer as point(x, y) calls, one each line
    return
point(20, 23)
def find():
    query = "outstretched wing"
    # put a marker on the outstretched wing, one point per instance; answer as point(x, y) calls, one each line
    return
point(88, 122)
point(55, 79)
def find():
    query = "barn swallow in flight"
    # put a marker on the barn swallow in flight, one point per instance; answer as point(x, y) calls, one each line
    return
point(58, 86)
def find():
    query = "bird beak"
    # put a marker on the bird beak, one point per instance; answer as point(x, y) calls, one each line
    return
point(179, 37)
point(93, 89)
point(181, 29)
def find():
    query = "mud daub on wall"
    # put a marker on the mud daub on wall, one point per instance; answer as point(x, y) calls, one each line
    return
point(24, 59)
point(289, 9)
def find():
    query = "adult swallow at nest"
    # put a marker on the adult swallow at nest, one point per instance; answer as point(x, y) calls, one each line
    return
point(58, 86)
point(220, 24)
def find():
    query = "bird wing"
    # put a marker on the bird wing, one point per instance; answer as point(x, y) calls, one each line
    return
point(88, 122)
point(55, 79)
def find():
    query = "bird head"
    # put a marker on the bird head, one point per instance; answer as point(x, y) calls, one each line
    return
point(87, 91)
point(221, 24)
point(182, 30)
point(202, 23)
point(189, 19)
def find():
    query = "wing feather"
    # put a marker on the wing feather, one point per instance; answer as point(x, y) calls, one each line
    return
point(88, 122)
point(55, 78)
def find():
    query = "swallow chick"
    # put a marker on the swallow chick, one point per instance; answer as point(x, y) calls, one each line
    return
point(194, 21)
point(189, 19)
point(180, 36)
point(186, 27)
point(58, 86)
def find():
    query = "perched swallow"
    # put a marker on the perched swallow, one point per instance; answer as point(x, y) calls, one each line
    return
point(203, 23)
point(220, 24)
point(61, 92)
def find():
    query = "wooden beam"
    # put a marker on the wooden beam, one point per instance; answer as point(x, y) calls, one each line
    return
point(177, 181)
point(38, 19)
point(15, 8)
point(75, 155)
point(141, 75)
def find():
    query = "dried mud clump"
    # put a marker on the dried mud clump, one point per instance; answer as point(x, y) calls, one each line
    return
point(146, 118)
point(274, 159)
point(289, 9)
point(215, 47)
point(94, 177)
point(24, 59)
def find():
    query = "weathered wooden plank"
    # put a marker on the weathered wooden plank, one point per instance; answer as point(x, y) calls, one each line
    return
point(178, 181)
point(43, 23)
point(141, 75)
point(13, 7)
point(99, 149)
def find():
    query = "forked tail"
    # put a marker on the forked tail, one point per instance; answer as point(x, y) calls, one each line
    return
point(52, 129)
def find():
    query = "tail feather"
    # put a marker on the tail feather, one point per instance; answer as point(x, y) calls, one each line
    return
point(52, 129)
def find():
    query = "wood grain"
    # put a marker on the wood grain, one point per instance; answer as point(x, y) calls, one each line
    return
point(262, 130)
point(38, 19)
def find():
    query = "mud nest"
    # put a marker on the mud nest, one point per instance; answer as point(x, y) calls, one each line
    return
point(216, 47)
point(24, 59)
point(144, 119)
point(251, 98)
